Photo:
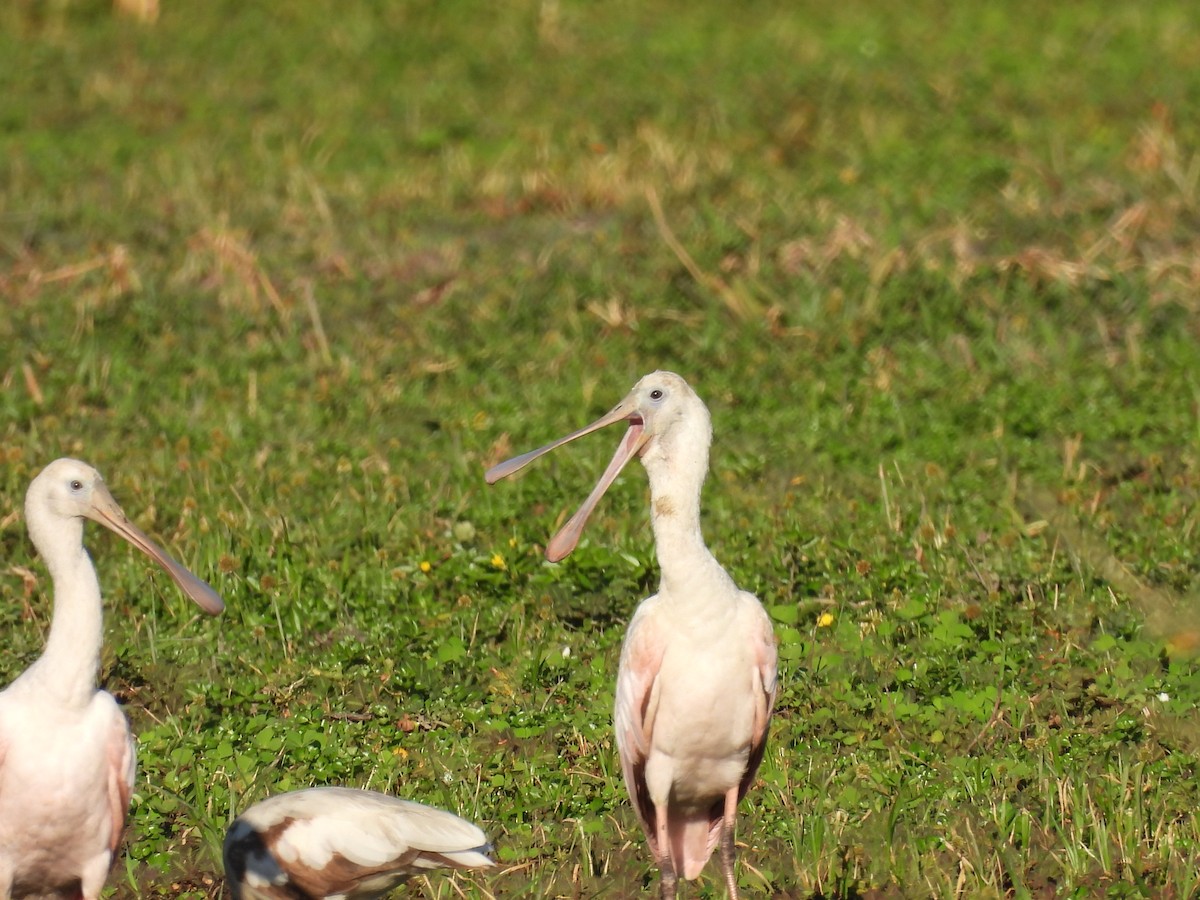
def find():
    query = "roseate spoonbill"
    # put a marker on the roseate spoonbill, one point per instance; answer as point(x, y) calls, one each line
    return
point(345, 843)
point(696, 683)
point(66, 755)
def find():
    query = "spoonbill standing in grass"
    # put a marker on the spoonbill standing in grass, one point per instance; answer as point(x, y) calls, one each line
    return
point(345, 843)
point(66, 755)
point(696, 683)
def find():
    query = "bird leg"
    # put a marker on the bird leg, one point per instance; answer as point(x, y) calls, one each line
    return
point(727, 851)
point(669, 877)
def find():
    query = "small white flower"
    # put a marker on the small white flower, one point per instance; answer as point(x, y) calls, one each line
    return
point(447, 778)
point(567, 651)
point(1164, 697)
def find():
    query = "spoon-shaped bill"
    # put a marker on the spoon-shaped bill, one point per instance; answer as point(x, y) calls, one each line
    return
point(108, 513)
point(568, 536)
point(511, 466)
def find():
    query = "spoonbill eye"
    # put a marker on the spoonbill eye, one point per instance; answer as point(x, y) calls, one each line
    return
point(76, 485)
point(656, 394)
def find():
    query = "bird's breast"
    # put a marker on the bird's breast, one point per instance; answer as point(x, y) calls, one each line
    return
point(706, 702)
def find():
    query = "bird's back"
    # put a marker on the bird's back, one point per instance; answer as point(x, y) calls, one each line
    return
point(340, 841)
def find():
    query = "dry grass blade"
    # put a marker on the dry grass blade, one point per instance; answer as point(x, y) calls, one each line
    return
point(314, 314)
point(734, 302)
point(31, 384)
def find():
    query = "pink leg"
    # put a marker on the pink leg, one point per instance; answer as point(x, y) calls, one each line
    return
point(664, 854)
point(727, 851)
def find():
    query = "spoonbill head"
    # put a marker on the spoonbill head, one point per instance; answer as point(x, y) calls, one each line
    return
point(669, 428)
point(67, 759)
point(68, 491)
point(345, 843)
point(696, 683)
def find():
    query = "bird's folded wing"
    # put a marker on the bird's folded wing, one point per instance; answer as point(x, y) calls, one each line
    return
point(375, 831)
point(636, 706)
point(641, 660)
point(122, 766)
point(766, 682)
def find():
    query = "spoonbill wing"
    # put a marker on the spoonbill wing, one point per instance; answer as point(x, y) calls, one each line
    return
point(766, 687)
point(636, 706)
point(122, 768)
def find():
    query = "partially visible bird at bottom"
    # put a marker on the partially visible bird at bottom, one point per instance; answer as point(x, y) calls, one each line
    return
point(339, 842)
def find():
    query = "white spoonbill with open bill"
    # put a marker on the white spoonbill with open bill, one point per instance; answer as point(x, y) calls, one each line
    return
point(345, 843)
point(696, 683)
point(66, 755)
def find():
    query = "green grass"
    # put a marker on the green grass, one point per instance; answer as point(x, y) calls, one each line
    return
point(292, 278)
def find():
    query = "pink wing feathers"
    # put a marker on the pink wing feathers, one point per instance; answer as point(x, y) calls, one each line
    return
point(121, 768)
point(636, 705)
point(767, 687)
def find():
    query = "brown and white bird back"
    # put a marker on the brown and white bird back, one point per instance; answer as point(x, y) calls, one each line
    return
point(342, 842)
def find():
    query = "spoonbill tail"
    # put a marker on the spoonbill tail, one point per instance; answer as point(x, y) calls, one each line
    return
point(696, 683)
point(345, 843)
point(66, 755)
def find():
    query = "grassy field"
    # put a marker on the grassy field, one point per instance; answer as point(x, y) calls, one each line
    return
point(292, 275)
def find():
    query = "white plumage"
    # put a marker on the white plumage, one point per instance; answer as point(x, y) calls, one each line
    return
point(342, 842)
point(67, 759)
point(697, 678)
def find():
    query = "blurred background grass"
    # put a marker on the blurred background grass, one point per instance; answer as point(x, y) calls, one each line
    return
point(292, 275)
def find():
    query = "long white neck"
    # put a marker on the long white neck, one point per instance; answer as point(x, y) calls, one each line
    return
point(677, 474)
point(67, 668)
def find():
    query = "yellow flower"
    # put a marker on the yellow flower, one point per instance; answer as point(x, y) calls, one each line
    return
point(824, 620)
point(498, 561)
point(425, 566)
